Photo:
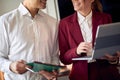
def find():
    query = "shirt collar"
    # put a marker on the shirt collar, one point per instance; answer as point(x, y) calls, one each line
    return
point(81, 18)
point(23, 10)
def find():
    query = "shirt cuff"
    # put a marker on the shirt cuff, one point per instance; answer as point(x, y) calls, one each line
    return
point(115, 62)
point(7, 67)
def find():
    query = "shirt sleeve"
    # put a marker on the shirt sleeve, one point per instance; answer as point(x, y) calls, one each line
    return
point(4, 48)
point(55, 56)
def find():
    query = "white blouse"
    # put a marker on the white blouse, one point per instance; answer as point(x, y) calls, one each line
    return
point(86, 26)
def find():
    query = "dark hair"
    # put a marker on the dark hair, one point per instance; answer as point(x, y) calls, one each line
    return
point(97, 6)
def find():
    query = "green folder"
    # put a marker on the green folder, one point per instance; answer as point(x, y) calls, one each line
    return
point(37, 66)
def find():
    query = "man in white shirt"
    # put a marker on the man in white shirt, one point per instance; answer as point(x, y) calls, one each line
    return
point(27, 35)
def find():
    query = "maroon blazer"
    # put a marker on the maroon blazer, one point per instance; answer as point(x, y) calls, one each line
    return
point(70, 37)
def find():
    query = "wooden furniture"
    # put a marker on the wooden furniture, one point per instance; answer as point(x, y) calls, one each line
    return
point(1, 75)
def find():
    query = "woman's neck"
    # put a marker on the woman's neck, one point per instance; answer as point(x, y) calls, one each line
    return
point(85, 12)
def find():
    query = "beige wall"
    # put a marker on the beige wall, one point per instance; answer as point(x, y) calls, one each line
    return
point(8, 5)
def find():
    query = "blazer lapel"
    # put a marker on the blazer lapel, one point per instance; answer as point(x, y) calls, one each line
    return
point(75, 31)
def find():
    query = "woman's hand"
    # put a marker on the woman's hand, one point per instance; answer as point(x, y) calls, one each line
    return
point(84, 47)
point(118, 53)
point(112, 59)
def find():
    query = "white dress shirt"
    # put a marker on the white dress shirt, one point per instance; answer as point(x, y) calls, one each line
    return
point(25, 38)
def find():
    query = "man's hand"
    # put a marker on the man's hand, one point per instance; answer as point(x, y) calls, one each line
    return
point(48, 75)
point(18, 67)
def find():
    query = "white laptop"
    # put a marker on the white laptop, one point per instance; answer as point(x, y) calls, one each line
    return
point(107, 41)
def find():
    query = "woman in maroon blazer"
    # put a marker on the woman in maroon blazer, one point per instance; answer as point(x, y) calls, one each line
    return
point(76, 37)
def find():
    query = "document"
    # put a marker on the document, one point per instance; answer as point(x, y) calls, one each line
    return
point(37, 66)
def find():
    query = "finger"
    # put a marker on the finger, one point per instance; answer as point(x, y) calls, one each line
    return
point(108, 56)
point(13, 67)
point(118, 53)
point(27, 66)
point(20, 67)
point(53, 78)
point(82, 51)
point(111, 58)
point(55, 72)
point(47, 75)
point(87, 47)
point(22, 61)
